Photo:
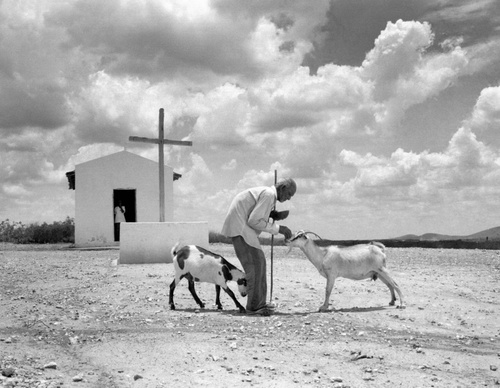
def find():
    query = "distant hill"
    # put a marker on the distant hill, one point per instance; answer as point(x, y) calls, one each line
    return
point(490, 234)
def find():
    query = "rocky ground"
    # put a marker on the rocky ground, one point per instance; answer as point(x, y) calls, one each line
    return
point(71, 318)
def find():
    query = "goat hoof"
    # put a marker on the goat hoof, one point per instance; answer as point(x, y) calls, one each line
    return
point(172, 307)
point(242, 310)
point(392, 303)
point(401, 307)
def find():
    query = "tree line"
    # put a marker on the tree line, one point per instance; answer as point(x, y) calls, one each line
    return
point(19, 233)
point(64, 232)
point(389, 243)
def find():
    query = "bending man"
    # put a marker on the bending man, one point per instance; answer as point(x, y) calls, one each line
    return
point(247, 217)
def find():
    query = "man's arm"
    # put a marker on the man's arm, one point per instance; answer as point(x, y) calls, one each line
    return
point(259, 217)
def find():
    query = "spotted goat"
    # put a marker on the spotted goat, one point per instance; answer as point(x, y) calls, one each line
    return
point(197, 264)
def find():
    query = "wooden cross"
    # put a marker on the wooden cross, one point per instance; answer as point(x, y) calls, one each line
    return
point(161, 141)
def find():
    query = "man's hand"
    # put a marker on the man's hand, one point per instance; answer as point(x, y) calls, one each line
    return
point(285, 232)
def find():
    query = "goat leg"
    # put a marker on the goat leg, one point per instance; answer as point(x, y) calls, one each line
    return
point(330, 281)
point(193, 292)
point(233, 297)
point(171, 295)
point(217, 297)
point(392, 285)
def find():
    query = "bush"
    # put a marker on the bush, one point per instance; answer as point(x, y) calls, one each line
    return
point(19, 233)
point(214, 237)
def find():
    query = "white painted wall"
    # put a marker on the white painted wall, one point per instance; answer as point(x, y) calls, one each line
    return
point(95, 181)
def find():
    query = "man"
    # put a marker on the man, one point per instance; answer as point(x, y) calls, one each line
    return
point(247, 217)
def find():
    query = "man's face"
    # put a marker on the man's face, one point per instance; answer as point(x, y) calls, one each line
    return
point(285, 193)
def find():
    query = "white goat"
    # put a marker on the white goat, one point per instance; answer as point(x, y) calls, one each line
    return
point(357, 262)
point(196, 264)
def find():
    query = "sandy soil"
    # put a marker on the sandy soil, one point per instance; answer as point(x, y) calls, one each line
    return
point(71, 318)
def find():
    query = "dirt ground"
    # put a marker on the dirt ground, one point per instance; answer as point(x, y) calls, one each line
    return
point(73, 318)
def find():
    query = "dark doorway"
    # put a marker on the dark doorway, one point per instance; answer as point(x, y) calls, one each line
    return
point(128, 201)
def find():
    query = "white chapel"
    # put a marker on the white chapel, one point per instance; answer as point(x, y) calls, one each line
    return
point(101, 184)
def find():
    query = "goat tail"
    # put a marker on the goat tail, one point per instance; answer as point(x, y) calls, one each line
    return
point(175, 248)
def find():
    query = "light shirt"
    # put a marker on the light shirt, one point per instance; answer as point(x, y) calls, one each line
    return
point(248, 215)
point(119, 214)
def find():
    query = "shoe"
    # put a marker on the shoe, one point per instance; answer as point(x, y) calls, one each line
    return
point(264, 311)
point(270, 306)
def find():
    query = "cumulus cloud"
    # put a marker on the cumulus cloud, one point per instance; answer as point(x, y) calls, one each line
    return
point(221, 116)
point(486, 115)
point(369, 99)
point(192, 187)
point(465, 164)
point(176, 38)
point(397, 52)
point(91, 152)
point(402, 73)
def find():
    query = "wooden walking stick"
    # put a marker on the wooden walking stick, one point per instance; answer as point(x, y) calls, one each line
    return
point(272, 246)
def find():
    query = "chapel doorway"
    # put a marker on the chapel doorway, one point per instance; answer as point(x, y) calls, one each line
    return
point(127, 199)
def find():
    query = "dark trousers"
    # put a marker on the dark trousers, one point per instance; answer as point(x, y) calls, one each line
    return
point(254, 265)
point(117, 231)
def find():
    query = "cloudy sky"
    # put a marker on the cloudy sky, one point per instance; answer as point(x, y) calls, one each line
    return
point(386, 112)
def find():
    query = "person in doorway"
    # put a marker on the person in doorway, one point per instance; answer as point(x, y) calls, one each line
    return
point(119, 217)
point(247, 217)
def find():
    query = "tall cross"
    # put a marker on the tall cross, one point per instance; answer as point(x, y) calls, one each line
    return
point(161, 141)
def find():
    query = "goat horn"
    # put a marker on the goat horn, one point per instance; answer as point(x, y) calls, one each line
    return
point(314, 234)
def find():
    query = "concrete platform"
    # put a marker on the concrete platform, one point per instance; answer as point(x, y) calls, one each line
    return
point(151, 242)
